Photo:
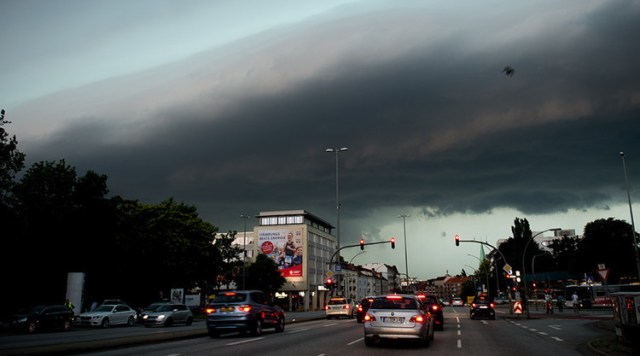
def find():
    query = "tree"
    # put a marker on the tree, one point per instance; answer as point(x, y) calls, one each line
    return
point(564, 252)
point(11, 162)
point(609, 242)
point(264, 275)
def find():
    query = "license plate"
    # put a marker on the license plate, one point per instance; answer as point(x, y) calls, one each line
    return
point(226, 309)
point(483, 307)
point(393, 319)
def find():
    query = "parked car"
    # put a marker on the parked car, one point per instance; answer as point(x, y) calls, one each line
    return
point(167, 315)
point(339, 306)
point(41, 317)
point(107, 315)
point(482, 307)
point(435, 308)
point(400, 317)
point(362, 307)
point(243, 311)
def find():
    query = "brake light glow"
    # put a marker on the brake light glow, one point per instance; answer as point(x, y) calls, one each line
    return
point(369, 317)
point(435, 307)
point(229, 293)
point(491, 305)
point(473, 305)
point(346, 306)
point(326, 307)
point(244, 308)
point(394, 297)
point(210, 310)
point(417, 319)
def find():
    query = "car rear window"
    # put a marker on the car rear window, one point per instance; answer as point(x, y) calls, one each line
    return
point(230, 298)
point(337, 301)
point(394, 303)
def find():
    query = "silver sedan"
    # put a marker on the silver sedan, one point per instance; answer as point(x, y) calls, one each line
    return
point(398, 317)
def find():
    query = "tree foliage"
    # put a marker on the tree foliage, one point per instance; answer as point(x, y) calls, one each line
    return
point(11, 161)
point(264, 275)
point(609, 242)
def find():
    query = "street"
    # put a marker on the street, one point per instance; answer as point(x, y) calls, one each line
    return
point(505, 336)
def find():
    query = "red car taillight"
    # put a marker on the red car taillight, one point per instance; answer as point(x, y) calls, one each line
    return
point(210, 310)
point(418, 319)
point(346, 306)
point(473, 305)
point(435, 307)
point(359, 308)
point(326, 307)
point(244, 308)
point(369, 317)
point(491, 305)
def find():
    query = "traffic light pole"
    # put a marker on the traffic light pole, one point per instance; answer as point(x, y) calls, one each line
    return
point(495, 249)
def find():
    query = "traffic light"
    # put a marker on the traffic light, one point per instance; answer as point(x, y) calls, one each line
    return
point(457, 240)
point(362, 244)
point(329, 283)
point(393, 242)
point(534, 285)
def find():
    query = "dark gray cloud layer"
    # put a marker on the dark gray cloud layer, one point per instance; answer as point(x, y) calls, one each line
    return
point(436, 126)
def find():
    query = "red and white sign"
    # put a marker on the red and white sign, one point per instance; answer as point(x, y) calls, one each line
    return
point(517, 308)
point(604, 273)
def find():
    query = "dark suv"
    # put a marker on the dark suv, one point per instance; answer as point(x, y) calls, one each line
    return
point(435, 308)
point(362, 307)
point(482, 307)
point(243, 311)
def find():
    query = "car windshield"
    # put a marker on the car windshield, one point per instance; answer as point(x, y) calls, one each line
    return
point(482, 301)
point(103, 308)
point(153, 307)
point(230, 298)
point(394, 303)
point(163, 308)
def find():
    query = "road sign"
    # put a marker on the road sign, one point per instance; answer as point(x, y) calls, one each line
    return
point(517, 307)
point(329, 274)
point(507, 268)
point(604, 273)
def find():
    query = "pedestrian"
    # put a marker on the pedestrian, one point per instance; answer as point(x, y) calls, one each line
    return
point(560, 302)
point(94, 305)
point(68, 304)
point(575, 301)
point(548, 303)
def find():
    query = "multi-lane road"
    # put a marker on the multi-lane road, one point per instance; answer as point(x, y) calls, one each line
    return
point(461, 336)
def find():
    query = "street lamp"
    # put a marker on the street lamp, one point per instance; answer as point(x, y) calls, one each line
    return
point(486, 276)
point(244, 250)
point(524, 278)
point(533, 272)
point(406, 263)
point(633, 228)
point(337, 152)
point(356, 255)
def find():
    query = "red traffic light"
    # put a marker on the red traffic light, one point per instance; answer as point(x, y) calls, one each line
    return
point(362, 244)
point(457, 240)
point(393, 242)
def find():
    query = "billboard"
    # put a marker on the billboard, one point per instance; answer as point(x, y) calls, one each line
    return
point(286, 249)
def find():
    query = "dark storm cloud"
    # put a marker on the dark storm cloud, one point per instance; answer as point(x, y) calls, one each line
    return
point(436, 126)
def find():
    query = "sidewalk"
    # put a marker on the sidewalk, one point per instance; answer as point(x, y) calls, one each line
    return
point(607, 344)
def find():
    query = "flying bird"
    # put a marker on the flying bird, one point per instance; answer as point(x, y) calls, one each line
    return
point(508, 71)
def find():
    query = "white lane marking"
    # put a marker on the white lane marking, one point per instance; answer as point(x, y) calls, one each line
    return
point(484, 322)
point(542, 333)
point(297, 331)
point(245, 341)
point(354, 341)
point(458, 332)
point(459, 343)
point(555, 326)
point(556, 338)
point(534, 330)
point(457, 319)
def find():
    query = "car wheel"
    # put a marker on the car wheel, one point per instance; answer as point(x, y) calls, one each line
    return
point(105, 323)
point(280, 325)
point(368, 341)
point(189, 321)
point(168, 322)
point(31, 328)
point(66, 325)
point(213, 334)
point(257, 328)
point(131, 321)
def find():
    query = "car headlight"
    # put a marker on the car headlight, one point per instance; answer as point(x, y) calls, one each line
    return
point(160, 317)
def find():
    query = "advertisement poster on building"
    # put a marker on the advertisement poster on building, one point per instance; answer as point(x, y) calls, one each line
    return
point(285, 247)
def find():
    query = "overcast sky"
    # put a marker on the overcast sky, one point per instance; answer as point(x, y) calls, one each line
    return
point(230, 105)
